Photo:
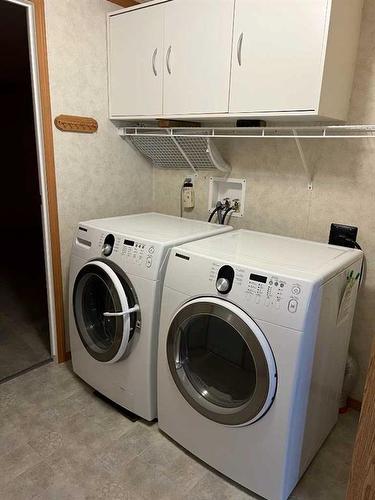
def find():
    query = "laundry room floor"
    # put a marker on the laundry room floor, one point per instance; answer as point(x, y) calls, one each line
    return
point(24, 331)
point(58, 441)
point(24, 338)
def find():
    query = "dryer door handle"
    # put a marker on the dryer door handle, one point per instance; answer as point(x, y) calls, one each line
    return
point(122, 313)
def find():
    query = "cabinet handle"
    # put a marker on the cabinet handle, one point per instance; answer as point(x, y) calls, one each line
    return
point(154, 61)
point(168, 59)
point(239, 49)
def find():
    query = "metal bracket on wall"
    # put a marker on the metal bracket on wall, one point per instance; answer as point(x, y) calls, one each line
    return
point(184, 154)
point(309, 172)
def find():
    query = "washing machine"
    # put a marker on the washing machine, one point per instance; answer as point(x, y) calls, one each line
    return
point(116, 274)
point(253, 339)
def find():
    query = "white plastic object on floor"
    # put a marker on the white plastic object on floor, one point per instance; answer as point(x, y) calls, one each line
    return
point(351, 372)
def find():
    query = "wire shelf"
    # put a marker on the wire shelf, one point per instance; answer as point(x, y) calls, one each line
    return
point(194, 147)
point(311, 132)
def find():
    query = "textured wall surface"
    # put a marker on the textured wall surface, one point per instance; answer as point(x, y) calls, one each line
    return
point(98, 175)
point(277, 199)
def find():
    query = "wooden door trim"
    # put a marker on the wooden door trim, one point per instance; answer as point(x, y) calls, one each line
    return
point(124, 3)
point(50, 177)
point(362, 474)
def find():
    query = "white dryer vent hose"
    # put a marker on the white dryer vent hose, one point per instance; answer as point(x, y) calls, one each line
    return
point(351, 372)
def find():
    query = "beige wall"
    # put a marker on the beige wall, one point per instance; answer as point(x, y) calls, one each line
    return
point(277, 199)
point(98, 175)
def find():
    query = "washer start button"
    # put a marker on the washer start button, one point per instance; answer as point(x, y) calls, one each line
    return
point(292, 306)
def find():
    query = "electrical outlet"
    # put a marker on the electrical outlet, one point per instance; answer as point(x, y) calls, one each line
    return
point(188, 197)
point(343, 235)
point(188, 194)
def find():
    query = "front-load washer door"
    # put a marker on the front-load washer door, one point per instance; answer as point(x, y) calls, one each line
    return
point(105, 311)
point(221, 361)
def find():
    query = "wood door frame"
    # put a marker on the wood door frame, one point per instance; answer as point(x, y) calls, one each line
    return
point(361, 484)
point(46, 165)
point(125, 3)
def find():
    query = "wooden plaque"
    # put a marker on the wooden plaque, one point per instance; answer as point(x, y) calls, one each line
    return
point(81, 124)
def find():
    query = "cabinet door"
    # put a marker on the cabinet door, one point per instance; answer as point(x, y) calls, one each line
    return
point(197, 44)
point(135, 62)
point(277, 55)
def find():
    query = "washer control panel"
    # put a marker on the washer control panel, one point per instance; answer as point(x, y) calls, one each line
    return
point(138, 252)
point(138, 256)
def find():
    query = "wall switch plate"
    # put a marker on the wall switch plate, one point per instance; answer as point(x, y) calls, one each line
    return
point(227, 190)
point(343, 235)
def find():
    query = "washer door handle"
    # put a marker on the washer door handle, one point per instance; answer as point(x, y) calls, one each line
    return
point(122, 313)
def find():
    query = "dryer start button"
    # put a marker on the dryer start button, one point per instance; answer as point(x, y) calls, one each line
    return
point(292, 306)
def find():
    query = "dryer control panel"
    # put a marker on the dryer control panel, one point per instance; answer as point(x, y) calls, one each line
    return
point(266, 290)
point(281, 299)
point(273, 291)
point(271, 297)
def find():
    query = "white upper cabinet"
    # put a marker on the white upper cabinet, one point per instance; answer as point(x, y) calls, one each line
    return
point(214, 59)
point(135, 47)
point(277, 55)
point(197, 41)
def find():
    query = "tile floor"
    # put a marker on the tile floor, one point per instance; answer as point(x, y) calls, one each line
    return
point(58, 442)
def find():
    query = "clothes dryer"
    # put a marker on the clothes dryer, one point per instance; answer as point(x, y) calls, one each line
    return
point(253, 341)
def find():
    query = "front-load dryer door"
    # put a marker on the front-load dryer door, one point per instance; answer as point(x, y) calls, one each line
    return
point(105, 311)
point(221, 361)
